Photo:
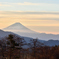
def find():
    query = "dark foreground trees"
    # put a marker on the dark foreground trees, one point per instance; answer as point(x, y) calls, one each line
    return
point(12, 49)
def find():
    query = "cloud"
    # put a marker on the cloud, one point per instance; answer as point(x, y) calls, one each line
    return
point(40, 4)
point(30, 3)
point(57, 13)
point(1, 4)
point(30, 12)
point(42, 18)
point(27, 3)
point(30, 15)
point(29, 6)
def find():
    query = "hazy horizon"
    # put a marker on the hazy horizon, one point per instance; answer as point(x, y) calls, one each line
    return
point(38, 15)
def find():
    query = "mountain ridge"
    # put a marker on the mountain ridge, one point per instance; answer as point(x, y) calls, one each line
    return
point(50, 42)
point(20, 29)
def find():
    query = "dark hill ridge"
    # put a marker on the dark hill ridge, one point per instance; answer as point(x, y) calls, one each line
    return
point(51, 42)
point(3, 33)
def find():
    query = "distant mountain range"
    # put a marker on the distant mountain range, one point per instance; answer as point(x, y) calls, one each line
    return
point(51, 42)
point(19, 29)
point(6, 33)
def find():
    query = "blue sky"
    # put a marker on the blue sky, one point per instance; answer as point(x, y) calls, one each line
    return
point(29, 5)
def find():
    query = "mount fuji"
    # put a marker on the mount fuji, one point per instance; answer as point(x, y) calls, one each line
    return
point(20, 29)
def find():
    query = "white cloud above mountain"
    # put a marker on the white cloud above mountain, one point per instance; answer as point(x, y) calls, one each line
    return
point(29, 3)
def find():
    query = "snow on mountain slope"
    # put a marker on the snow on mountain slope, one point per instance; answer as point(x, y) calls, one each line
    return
point(24, 31)
point(18, 27)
